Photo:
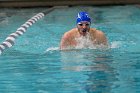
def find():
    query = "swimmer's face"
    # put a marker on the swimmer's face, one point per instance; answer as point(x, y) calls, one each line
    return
point(83, 26)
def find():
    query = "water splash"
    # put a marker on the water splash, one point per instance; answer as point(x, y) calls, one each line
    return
point(85, 42)
point(116, 44)
point(52, 49)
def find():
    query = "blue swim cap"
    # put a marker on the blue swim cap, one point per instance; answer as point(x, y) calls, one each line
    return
point(83, 16)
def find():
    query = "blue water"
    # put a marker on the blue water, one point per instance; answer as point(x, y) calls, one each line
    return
point(36, 65)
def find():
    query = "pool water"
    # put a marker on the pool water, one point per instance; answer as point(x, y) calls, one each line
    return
point(36, 65)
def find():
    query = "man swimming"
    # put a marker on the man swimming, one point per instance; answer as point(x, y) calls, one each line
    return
point(83, 34)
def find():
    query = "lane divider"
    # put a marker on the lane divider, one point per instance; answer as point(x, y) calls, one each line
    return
point(10, 40)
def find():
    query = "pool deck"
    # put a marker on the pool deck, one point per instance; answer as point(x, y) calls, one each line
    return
point(44, 3)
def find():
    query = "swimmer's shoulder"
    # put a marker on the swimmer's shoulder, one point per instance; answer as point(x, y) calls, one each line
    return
point(73, 30)
point(95, 31)
point(92, 30)
point(70, 32)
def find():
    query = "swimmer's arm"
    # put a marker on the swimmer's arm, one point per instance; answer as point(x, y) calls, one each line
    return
point(64, 42)
point(102, 39)
point(105, 41)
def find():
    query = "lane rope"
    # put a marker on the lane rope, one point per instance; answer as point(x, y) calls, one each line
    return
point(10, 40)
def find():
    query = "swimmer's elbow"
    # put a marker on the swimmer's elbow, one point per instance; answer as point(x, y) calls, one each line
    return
point(62, 45)
point(105, 42)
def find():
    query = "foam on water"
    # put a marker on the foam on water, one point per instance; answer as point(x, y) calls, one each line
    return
point(115, 44)
point(52, 49)
point(85, 43)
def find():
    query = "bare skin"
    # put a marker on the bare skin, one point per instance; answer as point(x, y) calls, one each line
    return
point(69, 38)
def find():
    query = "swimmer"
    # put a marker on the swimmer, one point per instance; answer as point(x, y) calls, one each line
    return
point(71, 39)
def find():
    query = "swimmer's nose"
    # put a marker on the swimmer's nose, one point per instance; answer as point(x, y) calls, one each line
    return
point(84, 26)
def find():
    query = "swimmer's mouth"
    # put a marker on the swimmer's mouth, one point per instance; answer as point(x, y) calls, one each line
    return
point(84, 30)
